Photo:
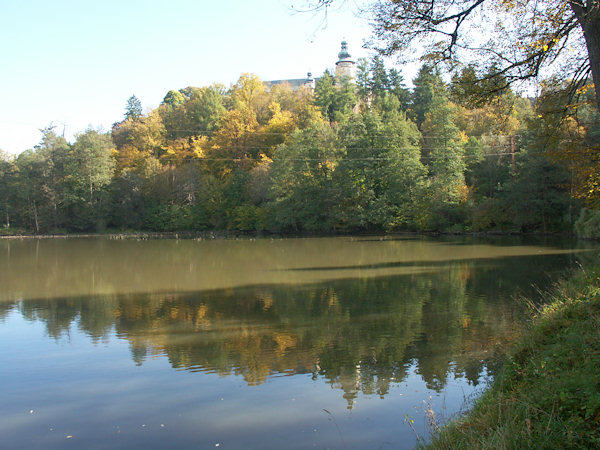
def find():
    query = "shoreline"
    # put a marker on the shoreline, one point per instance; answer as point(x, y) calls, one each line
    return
point(548, 392)
point(228, 234)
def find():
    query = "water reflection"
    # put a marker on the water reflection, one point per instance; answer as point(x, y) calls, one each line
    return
point(253, 340)
point(359, 335)
point(47, 268)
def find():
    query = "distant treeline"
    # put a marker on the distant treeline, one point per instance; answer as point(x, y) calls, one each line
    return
point(369, 155)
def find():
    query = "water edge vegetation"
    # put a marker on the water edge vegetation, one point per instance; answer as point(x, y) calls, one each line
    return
point(548, 394)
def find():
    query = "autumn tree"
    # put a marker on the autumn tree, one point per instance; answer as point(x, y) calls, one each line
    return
point(572, 140)
point(523, 38)
point(236, 142)
point(249, 93)
point(300, 103)
point(280, 126)
point(139, 142)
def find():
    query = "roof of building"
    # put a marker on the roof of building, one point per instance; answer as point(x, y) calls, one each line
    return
point(344, 55)
point(295, 83)
point(292, 82)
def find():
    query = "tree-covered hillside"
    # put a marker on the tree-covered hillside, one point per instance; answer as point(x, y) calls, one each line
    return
point(347, 157)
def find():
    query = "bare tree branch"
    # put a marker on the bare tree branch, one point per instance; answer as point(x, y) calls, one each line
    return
point(525, 38)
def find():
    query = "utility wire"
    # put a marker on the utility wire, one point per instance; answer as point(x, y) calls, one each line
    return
point(238, 159)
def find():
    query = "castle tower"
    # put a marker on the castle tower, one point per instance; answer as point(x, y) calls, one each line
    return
point(345, 67)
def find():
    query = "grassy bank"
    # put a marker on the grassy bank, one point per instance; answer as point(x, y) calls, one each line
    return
point(548, 395)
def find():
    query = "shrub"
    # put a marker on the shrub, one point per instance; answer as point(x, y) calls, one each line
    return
point(588, 224)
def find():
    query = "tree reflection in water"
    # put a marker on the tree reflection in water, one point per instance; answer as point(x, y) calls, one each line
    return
point(359, 335)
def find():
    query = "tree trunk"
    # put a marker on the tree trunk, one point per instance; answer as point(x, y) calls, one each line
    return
point(91, 190)
point(588, 16)
point(55, 214)
point(35, 216)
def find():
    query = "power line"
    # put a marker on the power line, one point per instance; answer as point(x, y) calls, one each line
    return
point(201, 133)
point(366, 159)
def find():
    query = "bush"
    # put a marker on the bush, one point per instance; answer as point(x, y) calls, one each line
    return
point(588, 224)
point(247, 217)
point(489, 215)
point(548, 395)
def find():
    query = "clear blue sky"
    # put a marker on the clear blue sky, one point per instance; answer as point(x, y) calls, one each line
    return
point(75, 63)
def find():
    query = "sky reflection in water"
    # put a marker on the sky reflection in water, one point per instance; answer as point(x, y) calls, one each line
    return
point(258, 344)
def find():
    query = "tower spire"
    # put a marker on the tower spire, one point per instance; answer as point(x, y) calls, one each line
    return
point(345, 67)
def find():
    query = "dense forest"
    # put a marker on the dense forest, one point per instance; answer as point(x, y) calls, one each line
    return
point(347, 156)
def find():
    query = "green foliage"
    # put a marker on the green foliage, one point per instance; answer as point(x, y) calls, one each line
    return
point(488, 168)
point(302, 189)
point(89, 171)
point(382, 177)
point(363, 79)
point(174, 98)
point(194, 114)
point(374, 81)
point(247, 217)
point(133, 108)
point(549, 393)
point(472, 89)
point(369, 156)
point(536, 198)
point(48, 166)
point(445, 151)
point(588, 224)
point(428, 85)
point(8, 174)
point(489, 215)
point(379, 82)
point(126, 202)
point(335, 98)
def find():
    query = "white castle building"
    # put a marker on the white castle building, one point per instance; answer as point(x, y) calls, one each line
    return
point(345, 67)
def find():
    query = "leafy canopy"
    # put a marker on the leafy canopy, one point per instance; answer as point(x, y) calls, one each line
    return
point(508, 40)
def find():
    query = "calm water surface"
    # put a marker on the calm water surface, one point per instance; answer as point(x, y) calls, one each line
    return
point(267, 343)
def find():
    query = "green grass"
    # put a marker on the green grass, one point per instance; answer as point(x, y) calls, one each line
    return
point(548, 394)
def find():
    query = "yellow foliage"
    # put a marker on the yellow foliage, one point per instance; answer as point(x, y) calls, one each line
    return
point(498, 117)
point(283, 341)
point(128, 157)
point(568, 145)
point(185, 149)
point(463, 192)
point(250, 94)
point(279, 127)
point(466, 322)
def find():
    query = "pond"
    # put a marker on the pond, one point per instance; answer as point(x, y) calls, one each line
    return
point(343, 342)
